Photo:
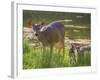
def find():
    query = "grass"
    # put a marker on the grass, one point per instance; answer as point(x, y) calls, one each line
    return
point(33, 58)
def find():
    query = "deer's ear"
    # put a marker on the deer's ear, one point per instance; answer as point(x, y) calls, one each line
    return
point(30, 23)
point(42, 23)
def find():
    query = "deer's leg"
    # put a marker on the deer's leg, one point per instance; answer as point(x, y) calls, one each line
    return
point(59, 55)
point(51, 51)
point(43, 54)
point(63, 52)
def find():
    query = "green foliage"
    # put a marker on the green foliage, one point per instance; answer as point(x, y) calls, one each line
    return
point(33, 58)
point(49, 16)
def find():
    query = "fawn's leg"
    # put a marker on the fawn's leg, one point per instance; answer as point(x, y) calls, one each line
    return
point(70, 59)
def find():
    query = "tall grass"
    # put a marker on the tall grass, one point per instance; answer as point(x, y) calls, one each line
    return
point(35, 58)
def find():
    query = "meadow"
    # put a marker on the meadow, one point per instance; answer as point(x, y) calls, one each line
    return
point(78, 28)
point(33, 58)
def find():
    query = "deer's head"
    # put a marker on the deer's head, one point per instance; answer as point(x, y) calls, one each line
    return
point(35, 27)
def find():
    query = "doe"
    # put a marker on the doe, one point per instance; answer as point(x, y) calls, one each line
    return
point(51, 35)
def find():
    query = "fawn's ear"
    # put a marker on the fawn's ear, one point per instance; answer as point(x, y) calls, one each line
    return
point(30, 23)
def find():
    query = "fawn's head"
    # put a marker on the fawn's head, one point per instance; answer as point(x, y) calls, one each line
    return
point(35, 27)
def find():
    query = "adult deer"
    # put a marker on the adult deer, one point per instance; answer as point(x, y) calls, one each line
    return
point(51, 35)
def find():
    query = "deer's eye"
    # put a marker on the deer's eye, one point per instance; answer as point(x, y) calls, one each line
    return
point(36, 34)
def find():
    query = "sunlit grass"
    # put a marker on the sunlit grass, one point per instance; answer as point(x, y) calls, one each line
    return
point(34, 58)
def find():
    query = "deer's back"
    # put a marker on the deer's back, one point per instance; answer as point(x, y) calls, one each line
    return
point(53, 34)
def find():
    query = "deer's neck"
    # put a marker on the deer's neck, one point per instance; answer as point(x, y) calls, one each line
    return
point(42, 38)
